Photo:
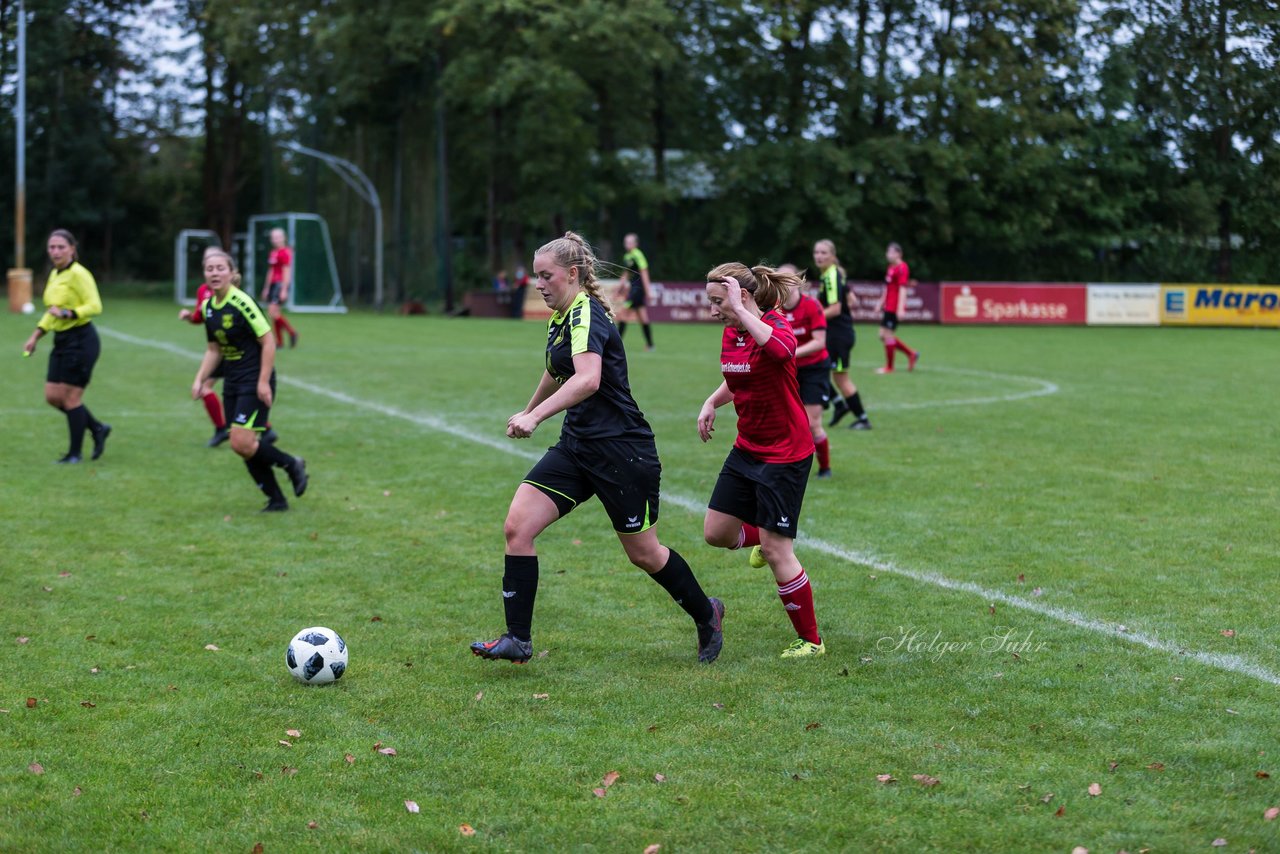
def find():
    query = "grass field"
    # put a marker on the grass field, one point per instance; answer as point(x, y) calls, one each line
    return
point(1105, 499)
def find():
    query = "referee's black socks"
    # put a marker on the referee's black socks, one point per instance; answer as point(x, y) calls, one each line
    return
point(264, 477)
point(519, 589)
point(77, 421)
point(273, 456)
point(854, 402)
point(677, 579)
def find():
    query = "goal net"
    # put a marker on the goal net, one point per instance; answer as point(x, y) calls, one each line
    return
point(315, 286)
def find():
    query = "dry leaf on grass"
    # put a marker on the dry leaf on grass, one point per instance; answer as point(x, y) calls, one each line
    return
point(257, 849)
point(1271, 814)
point(887, 779)
point(479, 696)
point(31, 702)
point(1037, 592)
point(293, 733)
point(351, 760)
point(1219, 843)
point(211, 647)
point(1048, 796)
point(1228, 633)
point(599, 793)
point(24, 640)
point(542, 696)
point(1156, 766)
point(1112, 766)
point(35, 768)
point(809, 727)
point(466, 830)
point(717, 706)
point(1079, 849)
point(1094, 790)
point(288, 770)
point(659, 778)
point(1261, 775)
point(76, 792)
point(411, 806)
point(311, 825)
point(387, 751)
point(284, 743)
point(925, 780)
point(652, 849)
point(1062, 810)
point(88, 705)
point(610, 778)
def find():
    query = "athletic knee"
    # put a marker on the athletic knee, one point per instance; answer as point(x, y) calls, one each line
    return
point(518, 534)
point(720, 538)
point(54, 399)
point(244, 443)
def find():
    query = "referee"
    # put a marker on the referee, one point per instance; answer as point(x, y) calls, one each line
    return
point(71, 297)
point(240, 338)
point(606, 449)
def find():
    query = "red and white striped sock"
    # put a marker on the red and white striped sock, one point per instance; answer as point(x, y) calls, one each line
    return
point(797, 598)
point(747, 537)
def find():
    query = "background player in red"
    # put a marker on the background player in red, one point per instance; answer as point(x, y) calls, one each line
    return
point(758, 495)
point(891, 302)
point(275, 291)
point(809, 323)
point(212, 404)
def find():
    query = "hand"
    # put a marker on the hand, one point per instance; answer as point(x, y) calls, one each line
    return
point(521, 425)
point(30, 346)
point(733, 299)
point(264, 392)
point(706, 421)
point(185, 314)
point(197, 389)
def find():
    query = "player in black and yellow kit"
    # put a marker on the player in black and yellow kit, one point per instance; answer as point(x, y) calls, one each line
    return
point(833, 293)
point(241, 340)
point(606, 449)
point(636, 286)
point(71, 297)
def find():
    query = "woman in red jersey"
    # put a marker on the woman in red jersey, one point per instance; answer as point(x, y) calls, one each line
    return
point(275, 291)
point(757, 498)
point(809, 323)
point(894, 300)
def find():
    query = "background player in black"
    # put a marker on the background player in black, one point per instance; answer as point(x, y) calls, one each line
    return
point(606, 449)
point(634, 287)
point(240, 339)
point(833, 293)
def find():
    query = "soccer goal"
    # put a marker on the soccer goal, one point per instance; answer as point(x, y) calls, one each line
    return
point(188, 269)
point(315, 285)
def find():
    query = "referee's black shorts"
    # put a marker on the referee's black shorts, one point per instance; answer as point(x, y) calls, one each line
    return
point(623, 473)
point(767, 495)
point(75, 352)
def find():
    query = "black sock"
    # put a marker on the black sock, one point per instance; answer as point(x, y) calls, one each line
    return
point(273, 455)
point(677, 579)
point(77, 420)
point(854, 402)
point(264, 477)
point(519, 589)
point(92, 423)
point(622, 328)
point(648, 334)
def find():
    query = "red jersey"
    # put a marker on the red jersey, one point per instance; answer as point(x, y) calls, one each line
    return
point(772, 424)
point(202, 296)
point(806, 318)
point(895, 279)
point(277, 262)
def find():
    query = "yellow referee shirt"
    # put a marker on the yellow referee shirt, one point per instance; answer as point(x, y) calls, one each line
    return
point(72, 287)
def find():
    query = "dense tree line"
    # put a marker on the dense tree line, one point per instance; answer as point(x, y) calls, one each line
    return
point(1044, 139)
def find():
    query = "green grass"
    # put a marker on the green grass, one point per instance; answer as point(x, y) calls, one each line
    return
point(1142, 493)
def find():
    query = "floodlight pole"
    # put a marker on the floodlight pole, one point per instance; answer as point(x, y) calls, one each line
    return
point(363, 187)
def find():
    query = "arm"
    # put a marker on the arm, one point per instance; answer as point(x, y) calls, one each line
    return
point(546, 387)
point(268, 342)
point(286, 278)
point(644, 278)
point(584, 383)
point(86, 291)
point(36, 335)
point(754, 325)
point(818, 342)
point(212, 356)
point(707, 415)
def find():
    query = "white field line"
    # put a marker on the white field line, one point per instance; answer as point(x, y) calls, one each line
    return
point(1219, 661)
point(1042, 388)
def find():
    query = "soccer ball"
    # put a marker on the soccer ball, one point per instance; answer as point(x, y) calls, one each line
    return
point(28, 308)
point(316, 656)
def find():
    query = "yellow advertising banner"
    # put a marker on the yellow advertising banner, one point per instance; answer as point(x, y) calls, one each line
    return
point(1220, 305)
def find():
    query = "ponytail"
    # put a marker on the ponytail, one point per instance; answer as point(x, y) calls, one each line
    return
point(765, 284)
point(215, 252)
point(572, 250)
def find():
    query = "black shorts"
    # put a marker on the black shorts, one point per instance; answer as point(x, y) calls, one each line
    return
point(840, 347)
point(814, 383)
point(623, 473)
point(889, 320)
point(635, 299)
point(768, 495)
point(219, 372)
point(245, 409)
point(75, 352)
point(273, 293)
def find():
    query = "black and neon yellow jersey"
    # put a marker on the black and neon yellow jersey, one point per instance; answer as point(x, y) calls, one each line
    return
point(611, 412)
point(236, 323)
point(635, 262)
point(831, 291)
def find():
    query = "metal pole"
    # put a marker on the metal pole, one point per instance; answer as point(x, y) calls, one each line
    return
point(443, 228)
point(363, 187)
point(20, 197)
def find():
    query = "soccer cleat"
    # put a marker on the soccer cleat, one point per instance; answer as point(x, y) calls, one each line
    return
point(293, 340)
point(824, 473)
point(801, 648)
point(298, 476)
point(67, 459)
point(505, 647)
point(756, 558)
point(100, 440)
point(711, 635)
point(839, 410)
point(269, 437)
point(884, 370)
point(911, 359)
point(219, 436)
point(861, 424)
point(276, 506)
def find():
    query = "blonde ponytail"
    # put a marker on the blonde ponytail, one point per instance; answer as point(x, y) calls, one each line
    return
point(765, 284)
point(572, 250)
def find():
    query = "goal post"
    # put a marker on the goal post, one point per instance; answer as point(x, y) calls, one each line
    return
point(188, 255)
point(315, 285)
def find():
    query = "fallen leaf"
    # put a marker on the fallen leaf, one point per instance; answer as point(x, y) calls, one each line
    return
point(35, 768)
point(925, 780)
point(211, 647)
point(257, 849)
point(146, 816)
point(544, 653)
point(872, 577)
point(24, 640)
point(610, 778)
point(577, 542)
point(64, 574)
point(1232, 712)
point(1261, 775)
point(94, 670)
point(1094, 790)
point(1062, 810)
point(659, 778)
point(466, 830)
point(90, 637)
point(387, 751)
point(47, 589)
point(311, 825)
point(31, 702)
point(887, 779)
point(386, 493)
point(375, 619)
point(479, 696)
point(351, 760)
point(411, 806)
point(1037, 592)
point(288, 770)
point(1022, 579)
point(75, 793)
point(1219, 843)
point(1271, 814)
point(226, 518)
point(1079, 849)
point(1112, 766)
point(717, 705)
point(286, 743)
point(809, 727)
point(1156, 766)
point(599, 793)
point(991, 609)
point(1048, 796)
point(541, 696)
point(652, 849)
point(293, 733)
point(88, 705)
point(1227, 633)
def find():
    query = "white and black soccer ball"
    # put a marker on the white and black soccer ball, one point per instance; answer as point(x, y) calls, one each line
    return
point(316, 656)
